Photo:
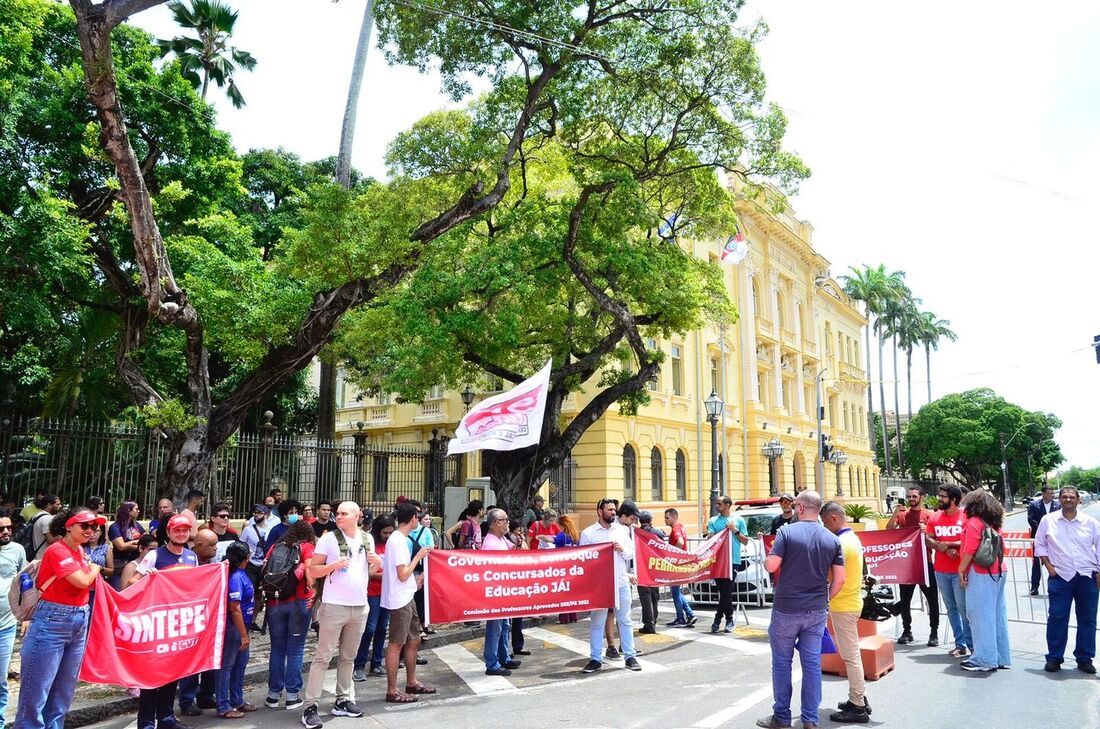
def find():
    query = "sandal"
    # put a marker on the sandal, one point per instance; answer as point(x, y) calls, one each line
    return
point(419, 688)
point(231, 714)
point(246, 708)
point(400, 698)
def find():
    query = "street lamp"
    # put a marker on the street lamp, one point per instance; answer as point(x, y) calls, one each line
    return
point(839, 458)
point(819, 472)
point(1004, 464)
point(773, 450)
point(467, 396)
point(713, 405)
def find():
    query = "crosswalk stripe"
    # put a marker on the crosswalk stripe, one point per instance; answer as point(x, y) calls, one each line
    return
point(471, 669)
point(746, 702)
point(579, 646)
point(728, 642)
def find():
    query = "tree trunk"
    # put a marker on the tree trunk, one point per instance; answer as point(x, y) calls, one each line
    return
point(189, 463)
point(870, 396)
point(882, 406)
point(897, 409)
point(358, 68)
point(909, 382)
point(928, 369)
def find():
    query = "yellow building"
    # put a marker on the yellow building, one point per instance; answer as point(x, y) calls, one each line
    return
point(796, 325)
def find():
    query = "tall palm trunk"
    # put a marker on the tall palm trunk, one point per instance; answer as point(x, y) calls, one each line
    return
point(882, 406)
point(909, 381)
point(870, 396)
point(897, 407)
point(928, 368)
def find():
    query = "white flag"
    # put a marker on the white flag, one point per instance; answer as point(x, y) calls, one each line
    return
point(505, 422)
point(736, 248)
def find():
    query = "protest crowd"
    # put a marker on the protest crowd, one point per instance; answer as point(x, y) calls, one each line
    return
point(359, 582)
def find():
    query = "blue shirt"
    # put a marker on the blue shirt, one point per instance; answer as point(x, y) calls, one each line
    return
point(165, 559)
point(719, 522)
point(809, 552)
point(241, 590)
point(276, 534)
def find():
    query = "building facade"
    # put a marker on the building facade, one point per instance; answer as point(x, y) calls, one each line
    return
point(798, 342)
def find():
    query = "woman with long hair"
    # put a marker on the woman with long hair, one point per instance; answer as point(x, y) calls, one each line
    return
point(373, 643)
point(53, 647)
point(124, 535)
point(985, 586)
point(288, 621)
point(567, 537)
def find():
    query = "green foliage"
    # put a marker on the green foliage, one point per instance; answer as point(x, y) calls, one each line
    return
point(207, 56)
point(169, 415)
point(1086, 479)
point(857, 512)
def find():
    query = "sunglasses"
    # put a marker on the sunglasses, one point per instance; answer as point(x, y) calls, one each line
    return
point(5, 528)
point(89, 527)
point(221, 516)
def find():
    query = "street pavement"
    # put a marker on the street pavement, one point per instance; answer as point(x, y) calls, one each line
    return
point(694, 680)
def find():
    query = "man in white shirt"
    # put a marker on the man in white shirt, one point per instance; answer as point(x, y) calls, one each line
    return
point(495, 653)
point(1068, 544)
point(399, 585)
point(343, 560)
point(608, 529)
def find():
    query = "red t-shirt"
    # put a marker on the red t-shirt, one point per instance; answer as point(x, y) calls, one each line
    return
point(972, 536)
point(374, 586)
point(59, 561)
point(539, 528)
point(678, 538)
point(304, 591)
point(946, 528)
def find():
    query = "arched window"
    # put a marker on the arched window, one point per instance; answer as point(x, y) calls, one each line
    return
point(630, 473)
point(681, 476)
point(656, 475)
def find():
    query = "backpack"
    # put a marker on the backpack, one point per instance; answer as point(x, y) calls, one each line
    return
point(25, 536)
point(24, 601)
point(991, 549)
point(345, 551)
point(279, 582)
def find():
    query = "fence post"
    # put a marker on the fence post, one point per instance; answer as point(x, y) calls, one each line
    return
point(436, 448)
point(267, 440)
point(360, 453)
point(7, 427)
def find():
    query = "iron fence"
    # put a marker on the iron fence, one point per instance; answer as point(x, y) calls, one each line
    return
point(119, 462)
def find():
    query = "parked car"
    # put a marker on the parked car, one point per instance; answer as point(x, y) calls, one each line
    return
point(753, 584)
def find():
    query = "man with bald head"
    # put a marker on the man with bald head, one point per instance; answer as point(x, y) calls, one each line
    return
point(197, 692)
point(343, 559)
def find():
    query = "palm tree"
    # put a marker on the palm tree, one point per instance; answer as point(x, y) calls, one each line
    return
point(208, 57)
point(885, 327)
point(905, 328)
point(932, 330)
point(870, 286)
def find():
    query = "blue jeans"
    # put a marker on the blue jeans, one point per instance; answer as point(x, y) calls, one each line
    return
point(626, 627)
point(372, 646)
point(7, 644)
point(807, 629)
point(53, 650)
point(201, 685)
point(684, 612)
point(230, 680)
point(495, 652)
point(954, 598)
point(1083, 593)
point(986, 610)
point(288, 623)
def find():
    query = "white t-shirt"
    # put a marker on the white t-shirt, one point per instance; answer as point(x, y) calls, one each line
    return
point(395, 593)
point(346, 586)
point(617, 534)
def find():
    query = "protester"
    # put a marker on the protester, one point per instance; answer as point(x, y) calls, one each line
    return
point(199, 691)
point(650, 596)
point(219, 523)
point(944, 536)
point(32, 509)
point(736, 526)
point(813, 573)
point(195, 500)
point(165, 509)
point(467, 533)
point(289, 513)
point(567, 537)
point(1036, 510)
point(373, 643)
point(53, 646)
point(124, 535)
point(421, 536)
point(230, 680)
point(495, 652)
point(288, 619)
point(13, 558)
point(399, 585)
point(324, 521)
point(98, 551)
point(155, 705)
point(129, 576)
point(915, 516)
point(609, 529)
point(95, 504)
point(985, 586)
point(1068, 543)
point(307, 514)
point(685, 615)
point(41, 533)
point(534, 513)
point(343, 560)
point(787, 516)
point(844, 611)
point(547, 526)
point(276, 495)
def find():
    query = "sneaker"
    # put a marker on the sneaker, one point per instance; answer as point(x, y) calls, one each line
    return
point(272, 702)
point(851, 715)
point(648, 631)
point(344, 707)
point(848, 704)
point(933, 642)
point(906, 638)
point(612, 653)
point(377, 671)
point(293, 702)
point(497, 671)
point(310, 719)
point(512, 665)
point(691, 621)
point(359, 674)
point(421, 661)
point(715, 627)
point(632, 664)
point(770, 722)
point(975, 668)
point(676, 623)
point(959, 652)
point(592, 667)
point(729, 627)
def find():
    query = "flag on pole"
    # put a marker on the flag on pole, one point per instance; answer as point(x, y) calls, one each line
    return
point(736, 247)
point(505, 422)
point(667, 228)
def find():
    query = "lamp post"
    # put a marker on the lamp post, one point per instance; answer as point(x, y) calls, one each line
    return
point(1004, 464)
point(773, 451)
point(713, 405)
point(839, 458)
point(467, 396)
point(819, 469)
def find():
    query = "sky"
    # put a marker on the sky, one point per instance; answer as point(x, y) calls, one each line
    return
point(957, 142)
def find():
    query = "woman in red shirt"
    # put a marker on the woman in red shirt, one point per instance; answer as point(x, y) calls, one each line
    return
point(378, 619)
point(54, 645)
point(288, 620)
point(985, 586)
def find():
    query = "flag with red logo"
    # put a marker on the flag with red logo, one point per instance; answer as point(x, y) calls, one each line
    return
point(505, 422)
point(165, 627)
point(736, 247)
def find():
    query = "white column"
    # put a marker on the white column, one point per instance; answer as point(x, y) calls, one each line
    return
point(749, 376)
point(777, 359)
point(800, 395)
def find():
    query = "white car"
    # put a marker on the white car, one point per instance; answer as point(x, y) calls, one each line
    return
point(753, 584)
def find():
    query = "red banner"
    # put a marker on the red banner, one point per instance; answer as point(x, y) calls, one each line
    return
point(466, 585)
point(658, 563)
point(169, 625)
point(893, 556)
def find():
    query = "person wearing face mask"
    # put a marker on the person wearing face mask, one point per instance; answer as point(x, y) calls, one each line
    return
point(289, 513)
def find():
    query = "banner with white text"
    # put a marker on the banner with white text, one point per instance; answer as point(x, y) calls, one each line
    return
point(657, 563)
point(464, 585)
point(893, 556)
point(168, 625)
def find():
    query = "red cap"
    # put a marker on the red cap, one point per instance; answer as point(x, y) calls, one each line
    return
point(177, 521)
point(86, 517)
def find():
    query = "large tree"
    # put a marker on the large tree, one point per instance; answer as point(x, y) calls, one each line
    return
point(355, 248)
point(961, 434)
